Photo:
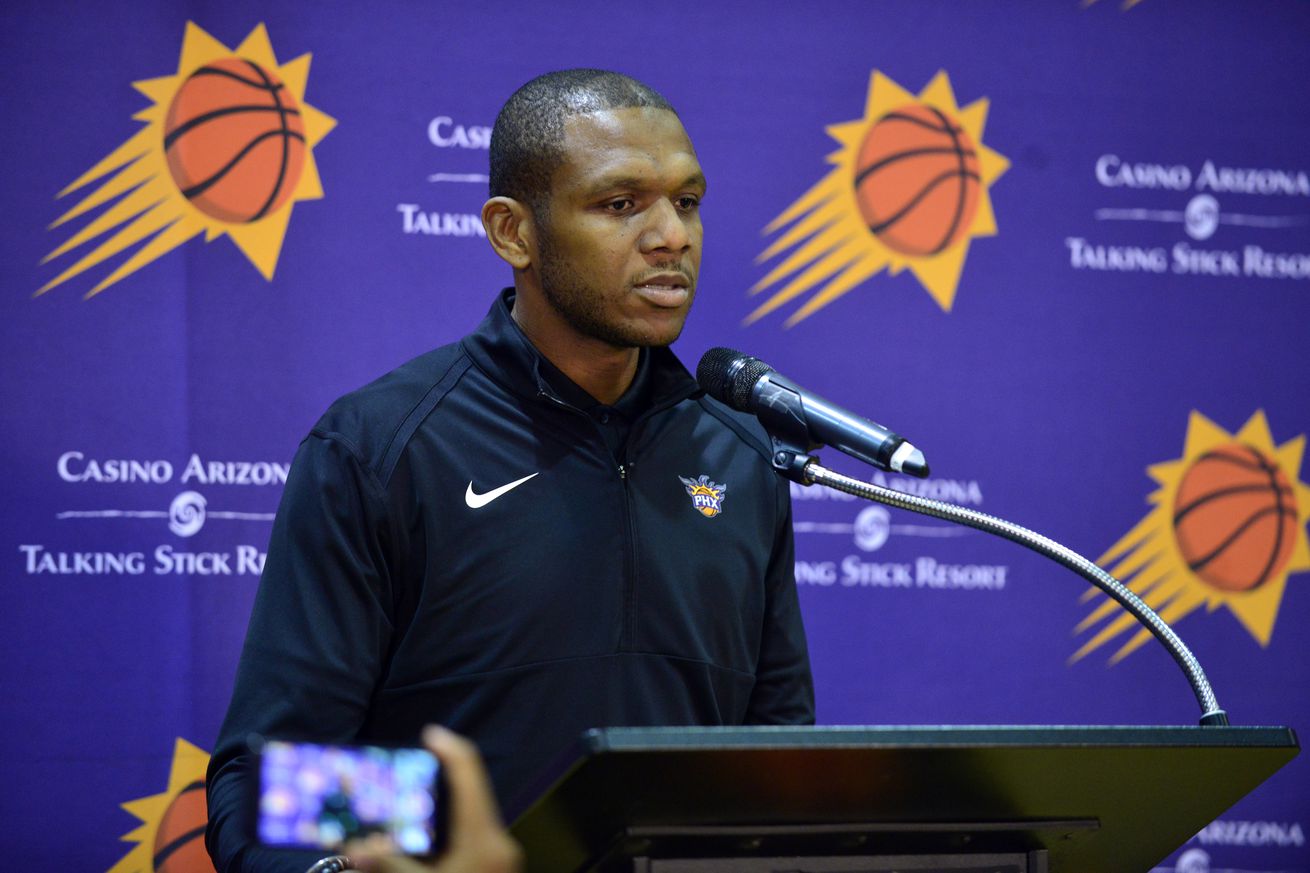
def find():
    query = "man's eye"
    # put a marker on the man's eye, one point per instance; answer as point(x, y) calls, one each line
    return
point(622, 204)
point(688, 203)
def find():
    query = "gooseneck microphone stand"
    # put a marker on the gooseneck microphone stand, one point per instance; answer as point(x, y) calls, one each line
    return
point(805, 469)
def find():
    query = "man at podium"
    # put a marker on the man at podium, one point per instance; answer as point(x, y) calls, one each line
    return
point(546, 526)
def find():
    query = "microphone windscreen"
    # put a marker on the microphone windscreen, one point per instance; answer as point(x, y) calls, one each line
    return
point(729, 376)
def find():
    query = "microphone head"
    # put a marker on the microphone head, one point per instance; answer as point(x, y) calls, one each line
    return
point(728, 376)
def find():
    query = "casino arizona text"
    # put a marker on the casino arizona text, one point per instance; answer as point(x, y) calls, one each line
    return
point(1112, 172)
point(74, 466)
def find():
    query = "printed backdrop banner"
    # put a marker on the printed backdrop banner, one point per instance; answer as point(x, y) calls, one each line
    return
point(1064, 247)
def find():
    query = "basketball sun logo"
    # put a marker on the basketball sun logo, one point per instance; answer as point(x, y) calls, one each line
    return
point(171, 838)
point(227, 148)
point(706, 496)
point(1227, 529)
point(909, 189)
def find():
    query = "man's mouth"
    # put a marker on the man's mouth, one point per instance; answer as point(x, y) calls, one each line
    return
point(665, 289)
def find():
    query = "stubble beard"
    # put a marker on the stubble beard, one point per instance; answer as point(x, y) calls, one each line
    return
point(581, 305)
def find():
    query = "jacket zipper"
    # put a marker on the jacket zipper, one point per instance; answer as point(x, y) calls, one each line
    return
point(628, 630)
point(628, 636)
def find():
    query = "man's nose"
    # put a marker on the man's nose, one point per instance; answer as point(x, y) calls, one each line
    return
point(667, 229)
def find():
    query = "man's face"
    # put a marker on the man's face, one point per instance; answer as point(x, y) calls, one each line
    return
point(620, 240)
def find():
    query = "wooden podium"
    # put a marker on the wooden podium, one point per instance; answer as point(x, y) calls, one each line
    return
point(891, 799)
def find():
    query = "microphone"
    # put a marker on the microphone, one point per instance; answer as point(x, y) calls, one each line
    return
point(789, 412)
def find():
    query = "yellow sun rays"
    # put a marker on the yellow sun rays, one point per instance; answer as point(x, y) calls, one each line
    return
point(152, 207)
point(189, 763)
point(833, 249)
point(1149, 561)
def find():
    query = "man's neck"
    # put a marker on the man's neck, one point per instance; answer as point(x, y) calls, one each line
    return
point(602, 370)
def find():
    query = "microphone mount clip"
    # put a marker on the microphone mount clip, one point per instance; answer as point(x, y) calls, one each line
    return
point(791, 462)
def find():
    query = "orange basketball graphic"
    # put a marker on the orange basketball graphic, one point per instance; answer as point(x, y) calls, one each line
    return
point(235, 141)
point(917, 180)
point(180, 840)
point(1235, 517)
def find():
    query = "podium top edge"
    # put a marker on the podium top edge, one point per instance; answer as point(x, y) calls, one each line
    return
point(652, 739)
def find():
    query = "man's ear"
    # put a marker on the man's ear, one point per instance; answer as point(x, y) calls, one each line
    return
point(510, 230)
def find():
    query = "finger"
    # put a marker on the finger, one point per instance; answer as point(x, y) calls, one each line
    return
point(473, 805)
point(367, 863)
point(376, 854)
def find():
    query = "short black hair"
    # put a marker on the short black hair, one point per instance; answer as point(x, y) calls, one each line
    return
point(527, 140)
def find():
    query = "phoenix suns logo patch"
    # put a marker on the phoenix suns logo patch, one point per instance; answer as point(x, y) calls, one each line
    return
point(706, 496)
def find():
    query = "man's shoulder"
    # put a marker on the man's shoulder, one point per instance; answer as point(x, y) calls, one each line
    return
point(746, 428)
point(374, 420)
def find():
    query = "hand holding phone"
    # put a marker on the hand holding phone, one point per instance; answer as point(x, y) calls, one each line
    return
point(318, 797)
point(478, 841)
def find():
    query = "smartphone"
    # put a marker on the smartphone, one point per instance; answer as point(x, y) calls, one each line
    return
point(311, 796)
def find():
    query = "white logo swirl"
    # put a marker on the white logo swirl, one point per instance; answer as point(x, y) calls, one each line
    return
point(1201, 216)
point(1193, 861)
point(186, 514)
point(872, 527)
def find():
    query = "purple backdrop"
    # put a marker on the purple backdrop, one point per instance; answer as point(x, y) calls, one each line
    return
point(1138, 301)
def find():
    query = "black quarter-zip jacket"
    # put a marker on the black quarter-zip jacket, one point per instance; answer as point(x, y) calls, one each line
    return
point(401, 589)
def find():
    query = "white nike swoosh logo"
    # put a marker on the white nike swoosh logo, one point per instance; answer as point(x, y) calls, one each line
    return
point(477, 501)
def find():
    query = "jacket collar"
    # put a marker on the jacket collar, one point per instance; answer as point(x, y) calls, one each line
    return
point(501, 350)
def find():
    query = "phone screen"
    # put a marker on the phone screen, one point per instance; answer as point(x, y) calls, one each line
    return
point(317, 797)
